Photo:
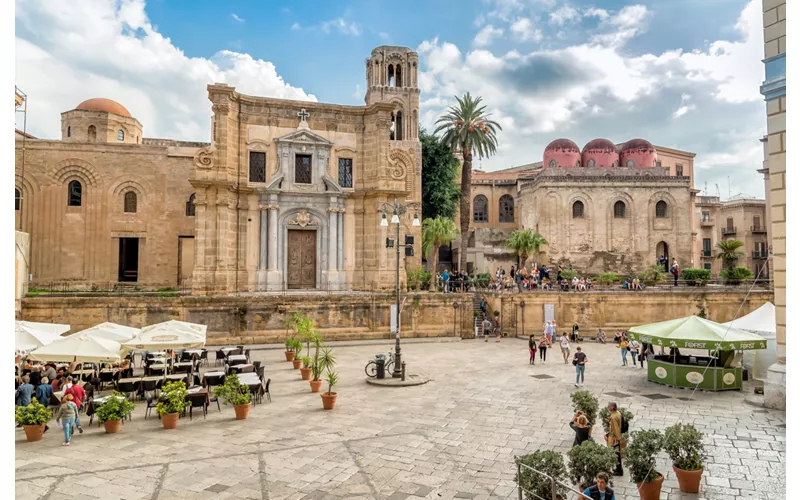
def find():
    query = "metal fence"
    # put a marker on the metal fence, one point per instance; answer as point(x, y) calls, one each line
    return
point(546, 487)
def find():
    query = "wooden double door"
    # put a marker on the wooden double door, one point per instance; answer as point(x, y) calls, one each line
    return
point(302, 263)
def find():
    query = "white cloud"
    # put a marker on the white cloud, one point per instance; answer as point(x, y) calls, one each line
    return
point(601, 14)
point(342, 26)
point(237, 18)
point(486, 36)
point(296, 27)
point(565, 14)
point(359, 93)
point(102, 48)
point(522, 30)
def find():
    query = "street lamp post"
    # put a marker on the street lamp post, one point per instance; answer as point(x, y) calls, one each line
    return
point(397, 209)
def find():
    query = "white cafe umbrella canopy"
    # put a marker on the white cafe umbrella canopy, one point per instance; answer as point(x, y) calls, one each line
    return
point(112, 331)
point(29, 335)
point(168, 335)
point(79, 347)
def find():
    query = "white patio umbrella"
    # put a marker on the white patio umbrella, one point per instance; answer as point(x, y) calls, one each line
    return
point(168, 335)
point(112, 331)
point(29, 335)
point(80, 347)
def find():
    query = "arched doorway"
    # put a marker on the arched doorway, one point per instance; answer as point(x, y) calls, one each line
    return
point(662, 250)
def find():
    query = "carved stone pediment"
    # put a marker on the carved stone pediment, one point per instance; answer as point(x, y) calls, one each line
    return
point(302, 219)
point(304, 136)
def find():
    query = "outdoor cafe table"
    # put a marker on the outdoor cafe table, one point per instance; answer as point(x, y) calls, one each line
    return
point(237, 359)
point(154, 354)
point(182, 364)
point(252, 381)
point(237, 369)
point(193, 351)
point(80, 373)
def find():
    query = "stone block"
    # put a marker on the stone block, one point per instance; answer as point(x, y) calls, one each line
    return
point(781, 12)
point(771, 4)
point(776, 182)
point(771, 49)
point(770, 17)
point(773, 106)
point(776, 123)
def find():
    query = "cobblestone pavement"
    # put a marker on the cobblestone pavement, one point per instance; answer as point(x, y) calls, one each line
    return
point(454, 437)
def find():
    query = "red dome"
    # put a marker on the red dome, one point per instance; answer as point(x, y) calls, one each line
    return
point(101, 104)
point(600, 153)
point(562, 153)
point(637, 145)
point(562, 145)
point(600, 146)
point(637, 153)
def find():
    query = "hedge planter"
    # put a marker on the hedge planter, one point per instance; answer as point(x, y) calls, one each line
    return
point(316, 385)
point(688, 480)
point(289, 355)
point(651, 490)
point(328, 400)
point(34, 432)
point(112, 426)
point(297, 363)
point(170, 420)
point(242, 411)
point(305, 373)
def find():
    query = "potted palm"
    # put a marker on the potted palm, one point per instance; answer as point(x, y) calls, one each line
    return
point(172, 403)
point(289, 352)
point(233, 392)
point(297, 347)
point(305, 371)
point(323, 360)
point(684, 445)
point(33, 419)
point(640, 458)
point(329, 398)
point(116, 409)
point(588, 460)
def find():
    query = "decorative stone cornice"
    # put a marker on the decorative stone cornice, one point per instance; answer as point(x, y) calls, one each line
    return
point(334, 210)
point(269, 207)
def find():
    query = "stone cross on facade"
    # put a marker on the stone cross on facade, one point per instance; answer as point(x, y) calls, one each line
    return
point(303, 114)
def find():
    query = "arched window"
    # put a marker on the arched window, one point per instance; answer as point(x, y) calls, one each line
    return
point(506, 208)
point(630, 163)
point(577, 210)
point(578, 164)
point(17, 199)
point(69, 131)
point(480, 209)
point(553, 163)
point(74, 194)
point(130, 202)
point(590, 163)
point(120, 135)
point(619, 210)
point(661, 209)
point(390, 76)
point(190, 206)
point(398, 70)
point(92, 133)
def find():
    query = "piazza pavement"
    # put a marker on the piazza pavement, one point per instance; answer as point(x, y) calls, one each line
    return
point(455, 437)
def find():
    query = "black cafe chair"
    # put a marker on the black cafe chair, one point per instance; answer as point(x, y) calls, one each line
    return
point(198, 401)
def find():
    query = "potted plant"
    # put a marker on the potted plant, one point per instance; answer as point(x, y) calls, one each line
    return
point(172, 403)
point(640, 458)
point(537, 486)
point(329, 398)
point(297, 346)
point(233, 392)
point(605, 419)
point(289, 352)
point(588, 460)
point(305, 371)
point(322, 361)
point(585, 402)
point(684, 445)
point(114, 411)
point(33, 419)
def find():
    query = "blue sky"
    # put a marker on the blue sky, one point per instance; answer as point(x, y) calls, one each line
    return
point(681, 73)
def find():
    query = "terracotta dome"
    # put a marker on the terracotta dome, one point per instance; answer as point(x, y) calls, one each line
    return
point(637, 145)
point(101, 104)
point(637, 153)
point(562, 145)
point(600, 153)
point(562, 153)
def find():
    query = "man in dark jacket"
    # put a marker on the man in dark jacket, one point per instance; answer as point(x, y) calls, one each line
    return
point(600, 490)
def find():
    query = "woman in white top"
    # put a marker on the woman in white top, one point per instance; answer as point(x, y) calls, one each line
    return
point(565, 347)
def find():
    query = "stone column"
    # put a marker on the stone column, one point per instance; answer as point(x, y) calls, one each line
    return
point(273, 238)
point(262, 238)
point(332, 239)
point(340, 249)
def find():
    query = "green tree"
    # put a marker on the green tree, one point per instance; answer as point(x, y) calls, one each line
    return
point(729, 251)
point(467, 128)
point(435, 233)
point(439, 171)
point(525, 242)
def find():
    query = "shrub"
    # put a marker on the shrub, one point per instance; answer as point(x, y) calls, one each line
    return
point(605, 417)
point(640, 456)
point(117, 407)
point(568, 274)
point(297, 346)
point(584, 401)
point(233, 392)
point(653, 274)
point(332, 378)
point(33, 414)
point(684, 445)
point(483, 280)
point(609, 278)
point(736, 273)
point(322, 361)
point(173, 398)
point(695, 274)
point(535, 485)
point(588, 460)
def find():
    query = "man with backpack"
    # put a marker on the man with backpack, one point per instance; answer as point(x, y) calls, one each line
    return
point(675, 271)
point(617, 426)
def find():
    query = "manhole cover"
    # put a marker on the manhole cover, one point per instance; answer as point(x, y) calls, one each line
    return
point(543, 376)
point(618, 394)
point(656, 396)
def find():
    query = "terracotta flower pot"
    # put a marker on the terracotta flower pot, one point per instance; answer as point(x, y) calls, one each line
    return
point(112, 426)
point(328, 400)
point(34, 432)
point(170, 420)
point(315, 385)
point(651, 490)
point(242, 411)
point(297, 363)
point(289, 355)
point(305, 373)
point(688, 480)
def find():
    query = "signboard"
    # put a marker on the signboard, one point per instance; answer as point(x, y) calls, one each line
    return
point(549, 312)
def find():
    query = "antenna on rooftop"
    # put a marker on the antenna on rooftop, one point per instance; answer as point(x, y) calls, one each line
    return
point(717, 185)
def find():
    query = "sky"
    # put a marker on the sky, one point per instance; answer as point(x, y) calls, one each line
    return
point(683, 74)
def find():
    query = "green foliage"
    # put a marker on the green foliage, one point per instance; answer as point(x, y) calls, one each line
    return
point(33, 414)
point(322, 360)
point(173, 398)
point(233, 392)
point(588, 460)
point(586, 402)
point(467, 127)
point(417, 277)
point(568, 274)
point(653, 274)
point(306, 361)
point(605, 417)
point(524, 242)
point(483, 279)
point(535, 485)
point(289, 342)
point(695, 274)
point(496, 314)
point(729, 251)
point(609, 278)
point(435, 233)
point(640, 456)
point(736, 273)
point(297, 347)
point(332, 379)
point(117, 407)
point(440, 191)
point(684, 445)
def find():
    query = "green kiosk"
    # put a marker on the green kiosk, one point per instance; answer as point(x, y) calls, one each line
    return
point(719, 370)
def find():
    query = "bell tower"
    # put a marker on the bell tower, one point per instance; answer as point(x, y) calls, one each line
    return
point(392, 77)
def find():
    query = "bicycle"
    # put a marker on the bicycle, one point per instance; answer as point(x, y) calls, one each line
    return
point(372, 367)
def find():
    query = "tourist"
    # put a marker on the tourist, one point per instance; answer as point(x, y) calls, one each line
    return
point(617, 337)
point(575, 332)
point(600, 490)
point(24, 392)
point(36, 376)
point(532, 350)
point(565, 347)
point(445, 280)
point(601, 336)
point(79, 396)
point(579, 360)
point(588, 283)
point(49, 372)
point(675, 271)
point(623, 348)
point(484, 305)
point(633, 346)
point(582, 284)
point(68, 414)
point(44, 391)
point(583, 429)
point(663, 261)
point(487, 328)
point(551, 332)
point(512, 272)
point(544, 342)
point(614, 436)
point(575, 283)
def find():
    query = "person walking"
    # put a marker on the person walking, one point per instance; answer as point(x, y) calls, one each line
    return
point(633, 346)
point(614, 436)
point(583, 429)
point(565, 347)
point(675, 271)
point(78, 396)
point(487, 328)
point(623, 349)
point(66, 414)
point(484, 305)
point(544, 342)
point(44, 391)
point(579, 360)
point(575, 332)
point(532, 350)
point(600, 489)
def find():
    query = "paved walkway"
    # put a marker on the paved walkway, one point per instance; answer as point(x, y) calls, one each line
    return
point(454, 437)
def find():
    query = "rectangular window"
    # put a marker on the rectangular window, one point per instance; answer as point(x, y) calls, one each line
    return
point(756, 223)
point(706, 245)
point(258, 166)
point(302, 169)
point(707, 266)
point(679, 170)
point(706, 216)
point(346, 172)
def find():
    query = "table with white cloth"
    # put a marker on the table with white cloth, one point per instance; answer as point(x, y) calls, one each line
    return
point(199, 352)
point(81, 374)
point(218, 377)
point(239, 369)
point(183, 364)
point(237, 359)
point(252, 381)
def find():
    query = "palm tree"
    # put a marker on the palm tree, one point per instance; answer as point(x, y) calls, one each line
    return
point(435, 233)
point(524, 242)
point(729, 251)
point(467, 129)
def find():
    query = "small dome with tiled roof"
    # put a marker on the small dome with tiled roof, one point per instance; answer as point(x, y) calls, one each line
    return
point(600, 153)
point(562, 153)
point(637, 153)
point(102, 104)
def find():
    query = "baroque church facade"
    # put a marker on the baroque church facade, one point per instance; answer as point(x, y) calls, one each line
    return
point(285, 196)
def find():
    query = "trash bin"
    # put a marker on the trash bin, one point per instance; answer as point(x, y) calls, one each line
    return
point(380, 365)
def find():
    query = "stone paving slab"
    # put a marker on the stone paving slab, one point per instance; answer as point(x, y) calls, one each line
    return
point(454, 437)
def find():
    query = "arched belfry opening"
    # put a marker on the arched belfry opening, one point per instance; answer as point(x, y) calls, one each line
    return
point(390, 76)
point(398, 76)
